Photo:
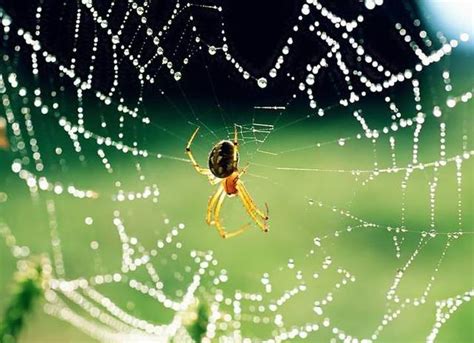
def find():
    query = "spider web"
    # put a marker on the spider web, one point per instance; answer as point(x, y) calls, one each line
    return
point(84, 112)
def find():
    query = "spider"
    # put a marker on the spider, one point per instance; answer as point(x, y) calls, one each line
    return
point(223, 169)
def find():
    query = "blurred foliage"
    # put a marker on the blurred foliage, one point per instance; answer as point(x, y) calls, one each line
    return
point(198, 320)
point(29, 285)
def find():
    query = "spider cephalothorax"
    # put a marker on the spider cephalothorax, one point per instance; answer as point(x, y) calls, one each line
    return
point(223, 169)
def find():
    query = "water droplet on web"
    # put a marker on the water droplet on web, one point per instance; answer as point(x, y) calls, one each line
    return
point(262, 82)
point(305, 9)
point(451, 102)
point(310, 79)
point(370, 4)
point(3, 197)
point(177, 76)
point(212, 50)
point(317, 241)
point(311, 202)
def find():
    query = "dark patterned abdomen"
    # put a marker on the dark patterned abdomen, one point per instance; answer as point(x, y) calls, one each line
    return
point(221, 161)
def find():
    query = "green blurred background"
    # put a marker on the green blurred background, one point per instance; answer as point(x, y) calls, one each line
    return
point(369, 254)
point(328, 145)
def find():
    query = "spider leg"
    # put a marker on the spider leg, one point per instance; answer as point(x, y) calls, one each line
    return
point(212, 179)
point(247, 196)
point(236, 144)
point(236, 232)
point(212, 204)
point(241, 188)
point(188, 152)
point(261, 214)
point(244, 170)
point(204, 171)
point(220, 228)
point(257, 215)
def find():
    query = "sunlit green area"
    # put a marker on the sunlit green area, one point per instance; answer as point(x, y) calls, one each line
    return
point(288, 251)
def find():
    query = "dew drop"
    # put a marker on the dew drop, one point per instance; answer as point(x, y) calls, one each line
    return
point(212, 50)
point(305, 9)
point(262, 82)
point(310, 79)
point(3, 197)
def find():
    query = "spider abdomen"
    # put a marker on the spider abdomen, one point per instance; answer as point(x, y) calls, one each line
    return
point(221, 159)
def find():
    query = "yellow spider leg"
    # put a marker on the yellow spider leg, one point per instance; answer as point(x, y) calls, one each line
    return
point(244, 170)
point(251, 208)
point(247, 196)
point(188, 152)
point(220, 228)
point(241, 189)
point(254, 207)
point(212, 179)
point(251, 211)
point(216, 215)
point(236, 143)
point(237, 232)
point(212, 204)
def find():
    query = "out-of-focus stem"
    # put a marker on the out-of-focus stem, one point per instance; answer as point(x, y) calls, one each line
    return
point(30, 282)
